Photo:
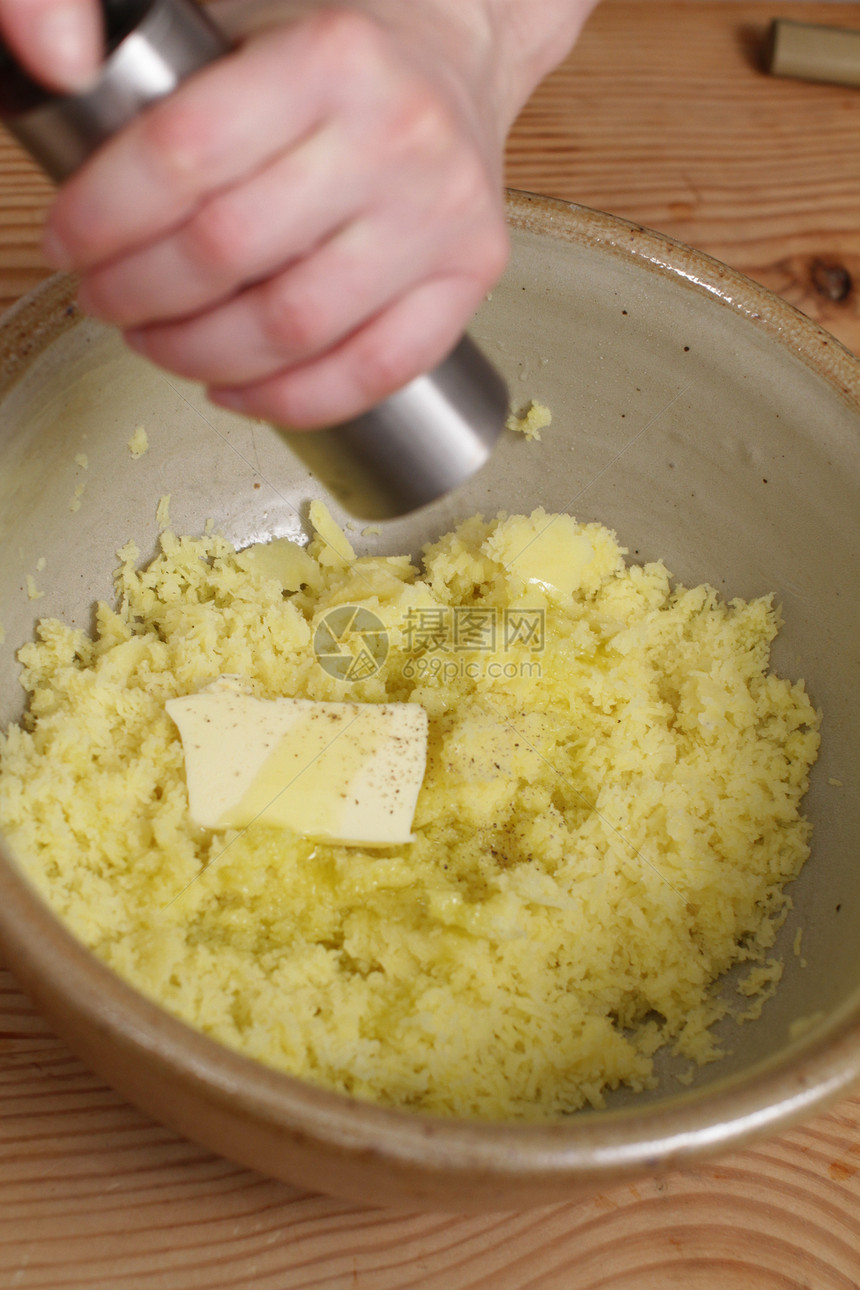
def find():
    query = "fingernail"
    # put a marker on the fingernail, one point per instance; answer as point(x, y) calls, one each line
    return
point(233, 399)
point(91, 306)
point(55, 252)
point(135, 338)
point(69, 41)
point(84, 301)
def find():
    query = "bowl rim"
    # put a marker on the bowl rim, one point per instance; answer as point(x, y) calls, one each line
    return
point(590, 1147)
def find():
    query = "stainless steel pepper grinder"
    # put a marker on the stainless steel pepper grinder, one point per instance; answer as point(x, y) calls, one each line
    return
point(409, 450)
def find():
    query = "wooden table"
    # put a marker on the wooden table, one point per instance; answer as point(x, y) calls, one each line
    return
point(662, 116)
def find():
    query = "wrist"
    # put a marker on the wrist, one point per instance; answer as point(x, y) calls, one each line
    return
point(532, 37)
point(496, 51)
point(501, 49)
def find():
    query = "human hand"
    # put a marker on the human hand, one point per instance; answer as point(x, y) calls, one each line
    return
point(310, 223)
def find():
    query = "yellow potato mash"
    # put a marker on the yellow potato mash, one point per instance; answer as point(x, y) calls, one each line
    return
point(610, 812)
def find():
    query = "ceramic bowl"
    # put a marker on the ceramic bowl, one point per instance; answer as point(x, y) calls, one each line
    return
point(700, 417)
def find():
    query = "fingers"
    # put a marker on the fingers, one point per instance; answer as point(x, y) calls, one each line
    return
point(409, 338)
point(306, 310)
point(223, 124)
point(59, 42)
point(366, 231)
point(318, 299)
point(240, 236)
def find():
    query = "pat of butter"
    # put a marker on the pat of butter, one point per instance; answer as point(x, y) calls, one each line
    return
point(344, 772)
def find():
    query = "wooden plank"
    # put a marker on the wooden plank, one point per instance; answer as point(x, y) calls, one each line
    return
point(662, 115)
point(94, 1194)
point(25, 195)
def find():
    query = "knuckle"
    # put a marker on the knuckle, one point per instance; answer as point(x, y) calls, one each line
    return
point(380, 370)
point(471, 207)
point(175, 138)
point(469, 186)
point(217, 240)
point(468, 195)
point(421, 127)
point(495, 248)
point(291, 324)
point(349, 39)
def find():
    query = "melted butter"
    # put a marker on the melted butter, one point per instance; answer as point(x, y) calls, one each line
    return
point(554, 558)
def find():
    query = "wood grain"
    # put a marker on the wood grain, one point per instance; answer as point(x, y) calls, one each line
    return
point(25, 194)
point(93, 1194)
point(661, 116)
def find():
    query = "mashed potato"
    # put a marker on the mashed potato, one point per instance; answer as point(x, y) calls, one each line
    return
point(610, 812)
point(530, 421)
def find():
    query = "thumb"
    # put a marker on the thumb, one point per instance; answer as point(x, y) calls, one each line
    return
point(59, 42)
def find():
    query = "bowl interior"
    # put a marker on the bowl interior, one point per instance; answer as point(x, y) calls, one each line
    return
point(707, 426)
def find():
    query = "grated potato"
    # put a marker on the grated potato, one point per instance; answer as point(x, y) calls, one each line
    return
point(610, 814)
point(530, 421)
